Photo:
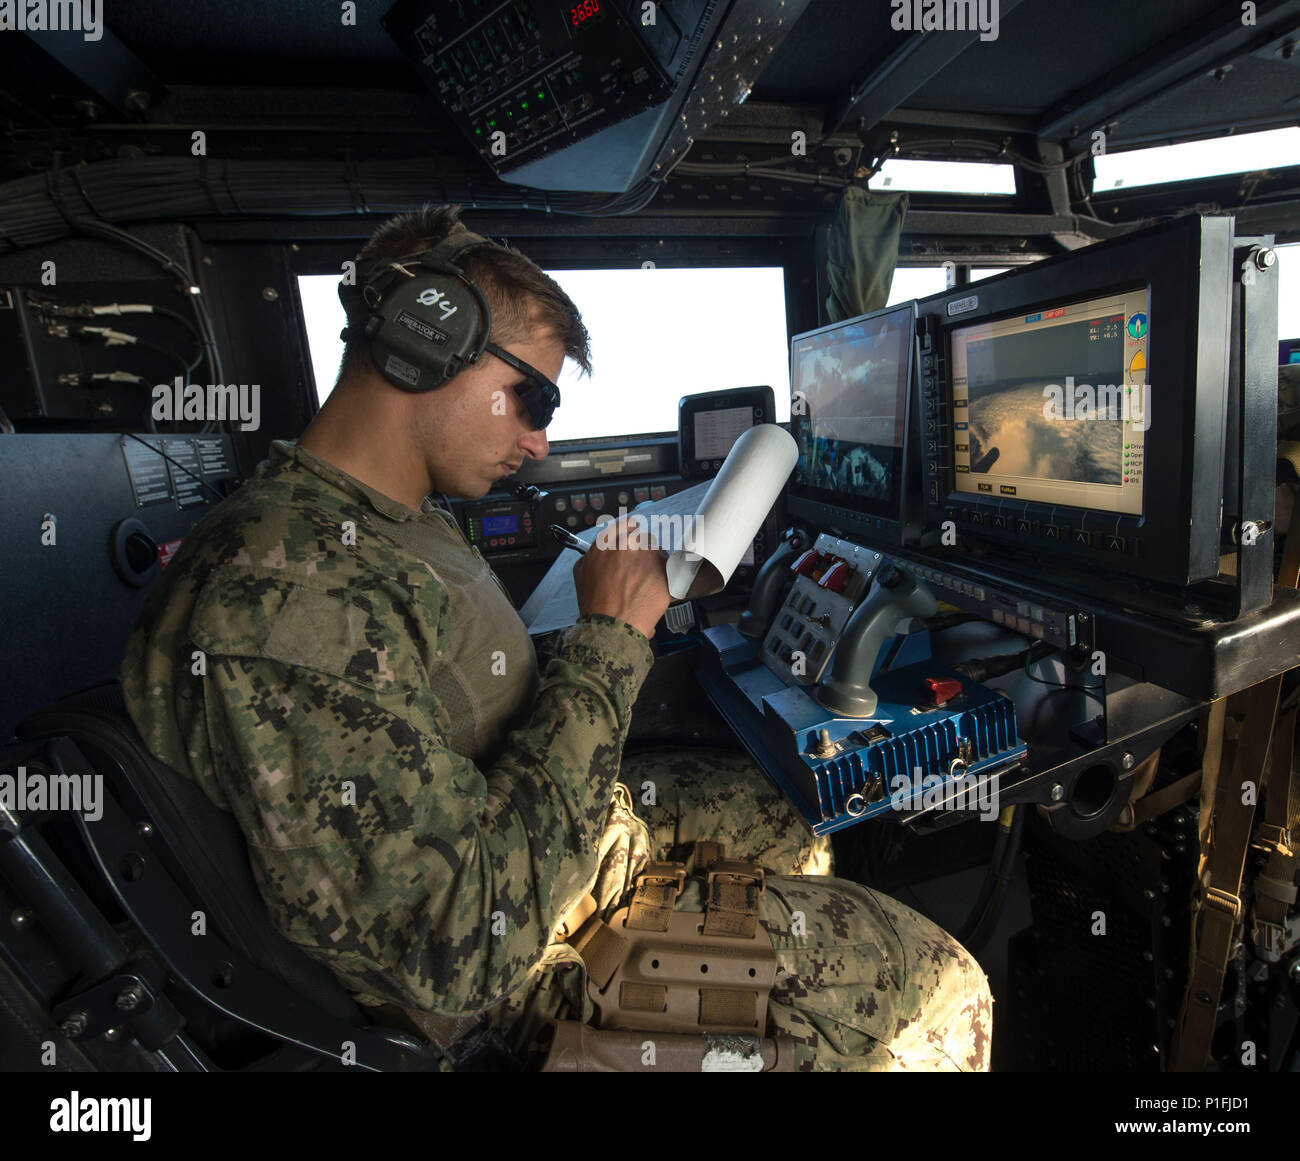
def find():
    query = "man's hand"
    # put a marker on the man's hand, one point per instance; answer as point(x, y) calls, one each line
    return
point(628, 582)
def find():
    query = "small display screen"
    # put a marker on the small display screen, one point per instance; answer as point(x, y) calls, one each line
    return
point(1053, 406)
point(500, 525)
point(716, 431)
point(848, 404)
point(584, 12)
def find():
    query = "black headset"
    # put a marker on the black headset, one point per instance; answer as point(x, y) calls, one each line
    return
point(425, 327)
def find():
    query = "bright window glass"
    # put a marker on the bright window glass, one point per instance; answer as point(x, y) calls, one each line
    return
point(963, 177)
point(1240, 153)
point(656, 335)
point(916, 282)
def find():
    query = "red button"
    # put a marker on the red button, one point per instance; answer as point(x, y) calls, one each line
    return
point(510, 540)
point(942, 689)
point(658, 492)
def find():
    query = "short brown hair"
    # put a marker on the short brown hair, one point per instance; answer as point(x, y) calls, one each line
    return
point(522, 297)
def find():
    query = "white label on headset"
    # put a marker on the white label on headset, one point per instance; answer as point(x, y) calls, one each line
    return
point(431, 297)
point(402, 370)
point(421, 328)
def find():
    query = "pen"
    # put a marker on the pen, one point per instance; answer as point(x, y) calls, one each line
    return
point(566, 538)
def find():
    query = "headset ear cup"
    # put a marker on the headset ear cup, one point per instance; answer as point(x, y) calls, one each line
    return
point(427, 327)
point(429, 321)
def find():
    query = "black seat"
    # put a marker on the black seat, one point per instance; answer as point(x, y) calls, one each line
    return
point(169, 852)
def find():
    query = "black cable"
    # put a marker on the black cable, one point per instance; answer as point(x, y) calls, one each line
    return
point(1089, 689)
point(183, 468)
point(206, 332)
point(987, 911)
point(984, 668)
point(136, 341)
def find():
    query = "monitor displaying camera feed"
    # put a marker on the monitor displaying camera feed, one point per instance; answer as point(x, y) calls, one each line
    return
point(848, 403)
point(1053, 406)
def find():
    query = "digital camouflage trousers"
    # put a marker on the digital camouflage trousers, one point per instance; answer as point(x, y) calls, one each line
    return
point(863, 983)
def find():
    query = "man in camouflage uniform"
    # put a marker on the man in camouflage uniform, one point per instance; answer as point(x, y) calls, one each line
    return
point(334, 663)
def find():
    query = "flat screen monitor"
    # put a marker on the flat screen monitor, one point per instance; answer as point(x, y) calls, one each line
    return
point(1074, 413)
point(1052, 406)
point(848, 414)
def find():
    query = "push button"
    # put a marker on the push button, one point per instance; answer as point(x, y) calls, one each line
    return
point(579, 502)
point(596, 500)
point(641, 494)
point(1050, 531)
point(1025, 527)
point(1081, 536)
point(658, 492)
point(1116, 544)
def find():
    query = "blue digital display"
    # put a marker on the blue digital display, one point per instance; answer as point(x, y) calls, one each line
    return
point(500, 525)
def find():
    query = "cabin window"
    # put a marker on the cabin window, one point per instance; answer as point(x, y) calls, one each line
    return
point(961, 177)
point(1240, 153)
point(656, 335)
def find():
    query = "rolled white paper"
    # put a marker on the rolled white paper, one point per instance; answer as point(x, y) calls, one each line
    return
point(732, 512)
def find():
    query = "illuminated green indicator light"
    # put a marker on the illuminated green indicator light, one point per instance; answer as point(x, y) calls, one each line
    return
point(491, 124)
point(479, 132)
point(541, 96)
point(523, 105)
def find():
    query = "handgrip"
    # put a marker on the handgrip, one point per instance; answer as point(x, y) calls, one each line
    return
point(769, 585)
point(895, 596)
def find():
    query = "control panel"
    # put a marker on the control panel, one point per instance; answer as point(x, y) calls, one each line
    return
point(505, 526)
point(848, 711)
point(524, 78)
point(509, 531)
point(936, 419)
point(1031, 614)
point(829, 579)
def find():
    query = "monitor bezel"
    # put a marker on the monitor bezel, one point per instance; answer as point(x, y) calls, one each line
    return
point(1186, 268)
point(901, 521)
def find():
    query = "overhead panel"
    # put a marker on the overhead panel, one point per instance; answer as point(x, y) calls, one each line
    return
point(583, 94)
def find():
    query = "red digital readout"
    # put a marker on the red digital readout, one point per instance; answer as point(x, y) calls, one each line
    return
point(581, 13)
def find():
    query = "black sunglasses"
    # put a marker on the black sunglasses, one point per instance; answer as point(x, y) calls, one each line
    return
point(538, 393)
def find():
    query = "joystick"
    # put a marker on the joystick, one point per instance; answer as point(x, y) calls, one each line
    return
point(896, 596)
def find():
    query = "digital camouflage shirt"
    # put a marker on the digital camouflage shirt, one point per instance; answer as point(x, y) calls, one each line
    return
point(348, 677)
